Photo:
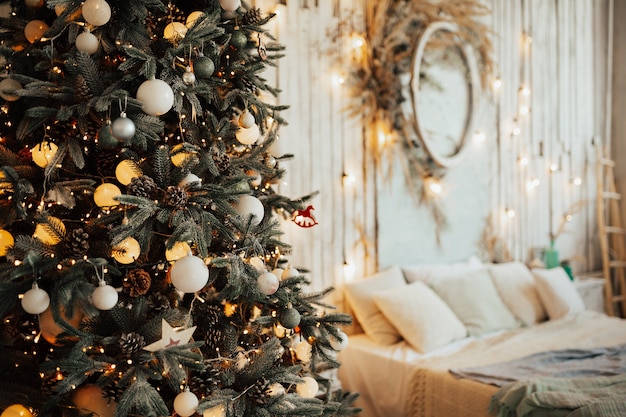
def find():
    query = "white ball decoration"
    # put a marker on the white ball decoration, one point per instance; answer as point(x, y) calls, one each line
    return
point(303, 351)
point(126, 170)
point(230, 5)
point(156, 96)
point(217, 411)
point(186, 403)
point(189, 179)
point(339, 345)
point(35, 300)
point(96, 12)
point(6, 241)
point(127, 251)
point(174, 31)
point(275, 389)
point(123, 128)
point(189, 274)
point(250, 205)
point(248, 136)
point(267, 283)
point(87, 42)
point(104, 297)
point(43, 153)
point(290, 272)
point(255, 177)
point(105, 194)
point(246, 119)
point(308, 387)
point(34, 30)
point(7, 87)
point(178, 251)
point(258, 264)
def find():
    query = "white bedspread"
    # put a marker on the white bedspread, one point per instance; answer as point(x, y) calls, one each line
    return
point(397, 381)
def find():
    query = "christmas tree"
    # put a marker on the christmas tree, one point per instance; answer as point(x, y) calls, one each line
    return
point(143, 272)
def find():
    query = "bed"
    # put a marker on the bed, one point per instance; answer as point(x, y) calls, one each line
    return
point(421, 322)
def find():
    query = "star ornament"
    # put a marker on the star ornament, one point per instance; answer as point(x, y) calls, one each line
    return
point(170, 337)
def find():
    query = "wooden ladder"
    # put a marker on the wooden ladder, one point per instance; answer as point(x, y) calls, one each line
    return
point(612, 236)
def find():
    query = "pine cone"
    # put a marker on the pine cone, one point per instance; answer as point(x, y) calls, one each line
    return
point(137, 282)
point(176, 197)
point(158, 301)
point(206, 381)
point(252, 16)
point(131, 343)
point(81, 90)
point(49, 384)
point(142, 186)
point(112, 391)
point(222, 161)
point(258, 392)
point(106, 162)
point(248, 85)
point(76, 243)
point(213, 338)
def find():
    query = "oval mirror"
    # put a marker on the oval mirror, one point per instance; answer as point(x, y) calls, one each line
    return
point(444, 90)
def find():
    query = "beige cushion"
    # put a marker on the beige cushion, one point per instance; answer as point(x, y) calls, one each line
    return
point(557, 292)
point(360, 296)
point(430, 273)
point(420, 316)
point(517, 288)
point(475, 301)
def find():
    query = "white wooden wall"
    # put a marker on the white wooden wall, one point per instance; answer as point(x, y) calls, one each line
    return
point(372, 223)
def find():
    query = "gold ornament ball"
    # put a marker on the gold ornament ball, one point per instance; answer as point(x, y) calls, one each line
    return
point(43, 153)
point(90, 400)
point(178, 251)
point(105, 194)
point(34, 4)
point(16, 410)
point(217, 411)
point(174, 31)
point(127, 251)
point(45, 233)
point(50, 329)
point(308, 387)
point(6, 241)
point(193, 17)
point(34, 30)
point(178, 157)
point(126, 171)
point(7, 87)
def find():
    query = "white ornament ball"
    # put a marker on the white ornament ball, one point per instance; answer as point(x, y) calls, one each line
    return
point(267, 283)
point(127, 251)
point(290, 272)
point(156, 96)
point(303, 351)
point(7, 87)
point(174, 31)
point(189, 179)
point(308, 387)
point(275, 389)
point(6, 241)
point(96, 12)
point(339, 345)
point(104, 297)
point(43, 153)
point(178, 251)
point(126, 170)
point(186, 403)
point(255, 177)
point(217, 411)
point(250, 205)
point(230, 5)
point(35, 300)
point(105, 194)
point(34, 30)
point(192, 18)
point(258, 264)
point(123, 129)
point(246, 119)
point(87, 43)
point(248, 136)
point(189, 274)
point(278, 272)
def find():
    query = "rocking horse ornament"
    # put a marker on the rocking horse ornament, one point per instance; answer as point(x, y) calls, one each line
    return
point(304, 218)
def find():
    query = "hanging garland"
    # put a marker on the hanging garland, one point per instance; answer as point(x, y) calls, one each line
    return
point(379, 67)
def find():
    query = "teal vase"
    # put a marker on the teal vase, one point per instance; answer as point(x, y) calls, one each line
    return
point(551, 257)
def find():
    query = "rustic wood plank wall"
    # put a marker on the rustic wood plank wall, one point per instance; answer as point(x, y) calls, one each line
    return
point(564, 69)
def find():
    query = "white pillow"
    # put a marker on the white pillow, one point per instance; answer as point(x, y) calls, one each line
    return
point(360, 296)
point(475, 301)
point(420, 316)
point(517, 288)
point(429, 273)
point(558, 293)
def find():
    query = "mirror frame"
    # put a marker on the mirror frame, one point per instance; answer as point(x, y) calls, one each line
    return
point(467, 54)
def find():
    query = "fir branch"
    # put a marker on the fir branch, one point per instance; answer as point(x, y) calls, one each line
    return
point(143, 399)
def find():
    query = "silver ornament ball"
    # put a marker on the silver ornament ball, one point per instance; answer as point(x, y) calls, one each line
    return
point(123, 128)
point(189, 77)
